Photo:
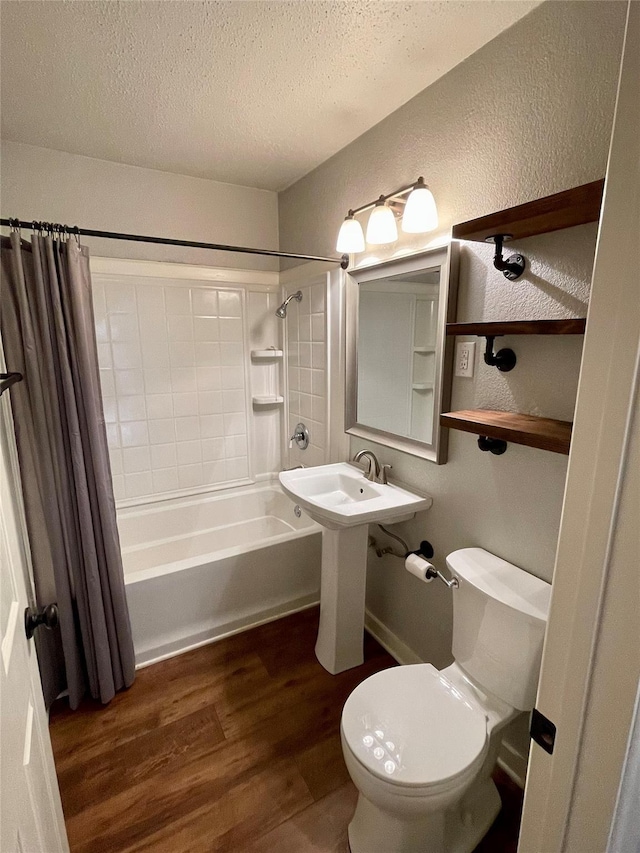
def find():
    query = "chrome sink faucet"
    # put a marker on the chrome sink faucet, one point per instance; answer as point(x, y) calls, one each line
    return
point(376, 472)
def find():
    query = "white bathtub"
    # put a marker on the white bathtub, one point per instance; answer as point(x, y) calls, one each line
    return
point(201, 568)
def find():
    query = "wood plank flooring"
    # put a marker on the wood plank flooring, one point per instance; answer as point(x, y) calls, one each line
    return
point(231, 747)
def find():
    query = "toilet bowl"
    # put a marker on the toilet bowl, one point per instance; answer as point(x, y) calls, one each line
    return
point(415, 758)
point(420, 744)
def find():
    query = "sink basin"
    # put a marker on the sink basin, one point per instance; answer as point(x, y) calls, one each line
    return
point(339, 495)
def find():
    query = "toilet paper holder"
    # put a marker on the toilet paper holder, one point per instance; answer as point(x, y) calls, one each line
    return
point(434, 573)
point(426, 552)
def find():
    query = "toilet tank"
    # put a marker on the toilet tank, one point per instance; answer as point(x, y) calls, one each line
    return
point(499, 619)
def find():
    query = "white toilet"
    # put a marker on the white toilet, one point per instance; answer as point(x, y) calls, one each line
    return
point(419, 744)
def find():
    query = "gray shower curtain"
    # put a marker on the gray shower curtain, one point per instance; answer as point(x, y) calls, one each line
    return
point(46, 320)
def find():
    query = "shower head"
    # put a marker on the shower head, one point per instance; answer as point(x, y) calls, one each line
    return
point(282, 310)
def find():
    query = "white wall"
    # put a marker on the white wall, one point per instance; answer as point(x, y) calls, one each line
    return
point(306, 336)
point(174, 345)
point(54, 186)
point(528, 115)
point(172, 361)
point(554, 76)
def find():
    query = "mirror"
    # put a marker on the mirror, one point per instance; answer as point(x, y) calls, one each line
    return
point(398, 356)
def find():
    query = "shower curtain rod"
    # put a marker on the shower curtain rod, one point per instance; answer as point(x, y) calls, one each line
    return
point(166, 241)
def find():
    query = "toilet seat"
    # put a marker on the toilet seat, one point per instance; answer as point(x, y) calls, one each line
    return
point(412, 728)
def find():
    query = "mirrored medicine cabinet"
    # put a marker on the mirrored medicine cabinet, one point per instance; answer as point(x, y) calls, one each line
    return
point(398, 357)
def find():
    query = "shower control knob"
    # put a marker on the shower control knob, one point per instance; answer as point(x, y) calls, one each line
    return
point(300, 437)
point(47, 616)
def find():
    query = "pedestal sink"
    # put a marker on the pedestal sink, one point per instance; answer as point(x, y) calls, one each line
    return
point(344, 502)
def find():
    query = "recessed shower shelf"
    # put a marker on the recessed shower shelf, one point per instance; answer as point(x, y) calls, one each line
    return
point(267, 400)
point(532, 431)
point(422, 386)
point(424, 349)
point(264, 354)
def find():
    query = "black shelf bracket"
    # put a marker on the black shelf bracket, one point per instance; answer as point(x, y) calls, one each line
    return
point(504, 359)
point(492, 445)
point(8, 379)
point(511, 268)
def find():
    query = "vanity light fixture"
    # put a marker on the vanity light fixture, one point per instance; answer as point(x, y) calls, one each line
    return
point(381, 227)
point(414, 204)
point(420, 213)
point(351, 236)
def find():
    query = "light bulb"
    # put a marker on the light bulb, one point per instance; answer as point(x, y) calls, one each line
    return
point(381, 227)
point(420, 212)
point(350, 237)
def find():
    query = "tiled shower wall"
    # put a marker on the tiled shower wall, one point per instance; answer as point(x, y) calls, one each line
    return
point(306, 328)
point(173, 372)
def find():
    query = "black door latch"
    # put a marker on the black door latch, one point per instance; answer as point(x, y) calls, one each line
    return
point(543, 731)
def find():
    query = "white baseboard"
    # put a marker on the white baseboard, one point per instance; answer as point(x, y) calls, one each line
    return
point(513, 764)
point(220, 632)
point(390, 641)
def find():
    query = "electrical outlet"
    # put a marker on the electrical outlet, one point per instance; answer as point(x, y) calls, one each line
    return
point(465, 358)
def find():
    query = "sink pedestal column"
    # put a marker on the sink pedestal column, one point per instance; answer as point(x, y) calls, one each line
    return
point(342, 598)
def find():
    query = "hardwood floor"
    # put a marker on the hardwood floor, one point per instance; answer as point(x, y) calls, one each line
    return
point(232, 747)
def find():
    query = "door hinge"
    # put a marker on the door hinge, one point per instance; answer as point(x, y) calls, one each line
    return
point(543, 731)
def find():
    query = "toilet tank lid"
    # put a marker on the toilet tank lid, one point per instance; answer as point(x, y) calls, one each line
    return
point(502, 581)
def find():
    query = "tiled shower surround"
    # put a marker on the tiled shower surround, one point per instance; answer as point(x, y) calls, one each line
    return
point(306, 330)
point(173, 372)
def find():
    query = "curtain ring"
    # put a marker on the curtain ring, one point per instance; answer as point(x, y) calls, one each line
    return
point(14, 224)
point(76, 234)
point(35, 226)
point(65, 229)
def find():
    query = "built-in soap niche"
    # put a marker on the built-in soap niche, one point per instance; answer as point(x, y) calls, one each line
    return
point(267, 378)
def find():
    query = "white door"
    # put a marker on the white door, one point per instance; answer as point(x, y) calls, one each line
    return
point(591, 660)
point(31, 819)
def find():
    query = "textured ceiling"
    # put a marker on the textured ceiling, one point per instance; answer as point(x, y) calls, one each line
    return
point(253, 93)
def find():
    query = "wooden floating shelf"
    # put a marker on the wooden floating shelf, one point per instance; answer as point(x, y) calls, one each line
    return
point(572, 207)
point(543, 433)
point(519, 327)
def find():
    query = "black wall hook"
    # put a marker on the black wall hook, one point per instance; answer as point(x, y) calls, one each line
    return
point(504, 359)
point(511, 268)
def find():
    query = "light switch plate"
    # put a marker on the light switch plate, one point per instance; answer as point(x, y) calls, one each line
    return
point(465, 358)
